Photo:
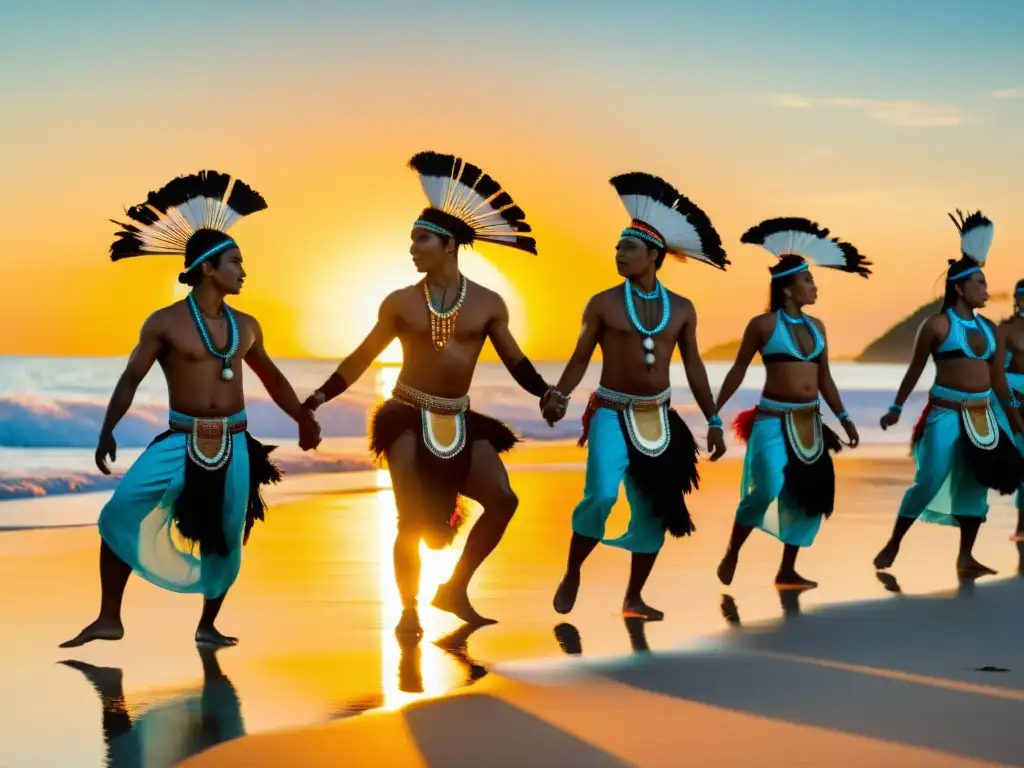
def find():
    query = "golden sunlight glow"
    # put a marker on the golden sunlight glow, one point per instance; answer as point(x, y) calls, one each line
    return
point(343, 302)
point(437, 567)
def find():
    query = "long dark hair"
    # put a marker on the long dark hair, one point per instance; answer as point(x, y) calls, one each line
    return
point(776, 298)
point(956, 267)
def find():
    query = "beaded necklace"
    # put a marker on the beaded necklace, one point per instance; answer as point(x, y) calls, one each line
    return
point(666, 313)
point(225, 357)
point(442, 324)
point(818, 343)
point(959, 326)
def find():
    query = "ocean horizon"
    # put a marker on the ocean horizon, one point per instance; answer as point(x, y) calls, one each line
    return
point(51, 409)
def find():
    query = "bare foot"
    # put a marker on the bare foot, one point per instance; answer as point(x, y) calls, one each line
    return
point(635, 608)
point(409, 624)
point(565, 595)
point(101, 629)
point(727, 568)
point(457, 602)
point(887, 556)
point(210, 636)
point(793, 580)
point(967, 564)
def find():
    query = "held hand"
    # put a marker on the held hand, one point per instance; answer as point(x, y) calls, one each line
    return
point(716, 443)
point(890, 419)
point(851, 432)
point(107, 446)
point(1016, 421)
point(552, 411)
point(309, 433)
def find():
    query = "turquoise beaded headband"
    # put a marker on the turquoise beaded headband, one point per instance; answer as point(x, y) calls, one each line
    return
point(422, 224)
point(646, 233)
point(210, 254)
point(965, 273)
point(801, 268)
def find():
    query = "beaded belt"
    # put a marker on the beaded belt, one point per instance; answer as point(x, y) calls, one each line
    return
point(618, 401)
point(205, 429)
point(432, 403)
point(780, 408)
point(954, 399)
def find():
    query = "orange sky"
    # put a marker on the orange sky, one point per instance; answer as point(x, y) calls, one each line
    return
point(326, 140)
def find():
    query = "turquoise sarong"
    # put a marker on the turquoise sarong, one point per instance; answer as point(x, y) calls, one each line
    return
point(944, 483)
point(138, 523)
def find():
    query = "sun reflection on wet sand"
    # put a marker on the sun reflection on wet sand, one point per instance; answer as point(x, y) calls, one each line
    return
point(422, 672)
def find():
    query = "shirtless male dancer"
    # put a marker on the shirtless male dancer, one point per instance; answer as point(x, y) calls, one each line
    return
point(1010, 354)
point(633, 433)
point(437, 449)
point(183, 510)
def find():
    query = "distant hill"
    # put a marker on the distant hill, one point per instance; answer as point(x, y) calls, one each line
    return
point(897, 344)
point(723, 353)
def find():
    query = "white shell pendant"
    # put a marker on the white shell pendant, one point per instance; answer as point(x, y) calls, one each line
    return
point(227, 374)
point(648, 343)
point(649, 358)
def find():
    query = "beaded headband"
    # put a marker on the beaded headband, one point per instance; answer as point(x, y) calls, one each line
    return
point(644, 232)
point(429, 225)
point(210, 254)
point(962, 275)
point(786, 273)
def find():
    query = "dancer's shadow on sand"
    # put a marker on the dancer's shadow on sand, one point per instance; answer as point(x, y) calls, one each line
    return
point(171, 731)
point(789, 601)
point(571, 644)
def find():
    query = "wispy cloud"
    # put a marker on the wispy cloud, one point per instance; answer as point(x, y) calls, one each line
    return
point(905, 113)
point(1007, 93)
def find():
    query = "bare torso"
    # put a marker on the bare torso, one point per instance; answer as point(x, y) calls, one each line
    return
point(790, 381)
point(447, 372)
point(1014, 332)
point(194, 382)
point(623, 367)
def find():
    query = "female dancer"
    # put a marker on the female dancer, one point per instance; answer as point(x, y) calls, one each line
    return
point(961, 443)
point(788, 449)
point(1010, 349)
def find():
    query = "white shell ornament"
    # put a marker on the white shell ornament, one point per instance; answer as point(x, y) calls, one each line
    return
point(227, 374)
point(648, 343)
point(649, 358)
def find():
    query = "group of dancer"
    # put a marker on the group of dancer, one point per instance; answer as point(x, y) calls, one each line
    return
point(181, 514)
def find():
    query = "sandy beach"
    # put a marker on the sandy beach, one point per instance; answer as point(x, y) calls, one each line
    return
point(315, 606)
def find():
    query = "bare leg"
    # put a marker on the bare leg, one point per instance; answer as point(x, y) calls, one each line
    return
point(406, 482)
point(887, 556)
point(965, 561)
point(114, 574)
point(633, 606)
point(206, 632)
point(487, 484)
point(787, 577)
point(579, 550)
point(1019, 534)
point(727, 568)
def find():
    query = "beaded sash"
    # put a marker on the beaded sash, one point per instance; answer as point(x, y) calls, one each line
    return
point(207, 441)
point(646, 418)
point(443, 419)
point(980, 424)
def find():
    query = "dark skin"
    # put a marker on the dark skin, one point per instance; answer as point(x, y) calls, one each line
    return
point(606, 324)
point(446, 373)
point(793, 382)
point(1010, 340)
point(195, 386)
point(965, 375)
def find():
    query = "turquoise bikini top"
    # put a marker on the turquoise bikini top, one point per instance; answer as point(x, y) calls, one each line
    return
point(782, 348)
point(956, 347)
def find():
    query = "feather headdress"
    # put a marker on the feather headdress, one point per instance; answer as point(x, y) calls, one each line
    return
point(468, 205)
point(791, 236)
point(666, 219)
point(167, 222)
point(976, 233)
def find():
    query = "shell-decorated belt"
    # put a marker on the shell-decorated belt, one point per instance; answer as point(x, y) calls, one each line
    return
point(207, 429)
point(618, 401)
point(432, 403)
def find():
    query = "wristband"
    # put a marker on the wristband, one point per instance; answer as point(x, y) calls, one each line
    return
point(844, 416)
point(896, 408)
point(715, 422)
point(526, 376)
point(1013, 402)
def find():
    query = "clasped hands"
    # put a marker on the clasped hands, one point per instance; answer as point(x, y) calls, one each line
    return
point(309, 427)
point(553, 406)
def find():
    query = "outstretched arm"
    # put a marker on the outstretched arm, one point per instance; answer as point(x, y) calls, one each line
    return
point(512, 356)
point(139, 364)
point(697, 378)
point(830, 392)
point(926, 336)
point(277, 386)
point(999, 382)
point(590, 334)
point(355, 365)
point(752, 340)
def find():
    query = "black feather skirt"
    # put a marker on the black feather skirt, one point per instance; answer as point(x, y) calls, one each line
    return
point(441, 510)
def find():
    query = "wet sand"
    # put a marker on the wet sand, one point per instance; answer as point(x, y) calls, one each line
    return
point(315, 606)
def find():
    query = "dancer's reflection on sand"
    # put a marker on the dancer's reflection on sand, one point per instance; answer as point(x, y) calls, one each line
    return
point(790, 602)
point(455, 644)
point(168, 732)
point(569, 641)
point(1020, 557)
point(889, 582)
point(789, 599)
point(730, 612)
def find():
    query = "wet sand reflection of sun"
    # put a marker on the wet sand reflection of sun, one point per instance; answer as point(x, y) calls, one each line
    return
point(437, 567)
